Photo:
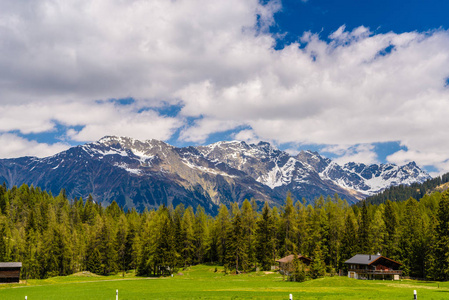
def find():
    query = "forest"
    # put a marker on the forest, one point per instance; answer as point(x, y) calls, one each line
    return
point(415, 190)
point(53, 235)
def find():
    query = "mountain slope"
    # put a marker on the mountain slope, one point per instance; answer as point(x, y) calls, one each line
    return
point(145, 174)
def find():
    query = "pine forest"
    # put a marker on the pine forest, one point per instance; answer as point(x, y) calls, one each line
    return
point(53, 235)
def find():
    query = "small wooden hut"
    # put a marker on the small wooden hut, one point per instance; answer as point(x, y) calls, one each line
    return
point(10, 271)
point(286, 263)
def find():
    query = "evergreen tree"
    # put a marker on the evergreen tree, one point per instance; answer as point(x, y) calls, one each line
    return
point(364, 230)
point(349, 240)
point(200, 235)
point(391, 221)
point(5, 240)
point(223, 228)
point(412, 240)
point(188, 237)
point(318, 267)
point(441, 252)
point(288, 228)
point(120, 243)
point(265, 239)
point(236, 256)
point(166, 255)
point(249, 216)
point(377, 231)
point(94, 264)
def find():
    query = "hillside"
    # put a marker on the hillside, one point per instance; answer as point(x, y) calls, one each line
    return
point(415, 190)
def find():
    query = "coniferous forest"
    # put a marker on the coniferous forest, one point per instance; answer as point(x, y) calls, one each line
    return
point(53, 235)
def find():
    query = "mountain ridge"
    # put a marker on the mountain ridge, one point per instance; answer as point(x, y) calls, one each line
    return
point(146, 174)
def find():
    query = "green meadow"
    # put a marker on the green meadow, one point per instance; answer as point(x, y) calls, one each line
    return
point(202, 282)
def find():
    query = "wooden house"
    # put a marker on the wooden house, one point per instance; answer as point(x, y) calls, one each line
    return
point(10, 271)
point(286, 263)
point(367, 266)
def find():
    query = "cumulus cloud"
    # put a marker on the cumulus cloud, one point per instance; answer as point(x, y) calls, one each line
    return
point(217, 60)
point(103, 49)
point(96, 119)
point(359, 88)
point(14, 146)
point(353, 153)
point(202, 128)
point(247, 135)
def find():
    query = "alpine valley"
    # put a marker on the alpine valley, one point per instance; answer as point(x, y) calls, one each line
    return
point(145, 174)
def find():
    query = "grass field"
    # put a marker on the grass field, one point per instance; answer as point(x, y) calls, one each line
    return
point(201, 282)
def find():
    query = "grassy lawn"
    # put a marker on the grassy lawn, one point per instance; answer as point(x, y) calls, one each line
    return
point(201, 282)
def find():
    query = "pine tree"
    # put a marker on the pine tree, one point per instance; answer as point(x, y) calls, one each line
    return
point(377, 231)
point(301, 222)
point(236, 255)
point(364, 241)
point(200, 234)
point(222, 229)
point(441, 252)
point(188, 237)
point(94, 264)
point(391, 221)
point(5, 240)
point(349, 240)
point(318, 267)
point(120, 242)
point(166, 255)
point(289, 228)
point(265, 239)
point(249, 229)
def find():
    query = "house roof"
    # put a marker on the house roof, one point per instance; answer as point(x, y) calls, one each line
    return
point(10, 264)
point(362, 259)
point(290, 258)
point(367, 259)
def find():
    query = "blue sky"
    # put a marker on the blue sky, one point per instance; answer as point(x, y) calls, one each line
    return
point(361, 81)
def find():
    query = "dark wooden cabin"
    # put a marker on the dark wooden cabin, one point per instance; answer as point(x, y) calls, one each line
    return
point(10, 272)
point(368, 266)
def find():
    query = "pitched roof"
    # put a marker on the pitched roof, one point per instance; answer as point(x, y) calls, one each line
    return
point(10, 264)
point(367, 259)
point(362, 259)
point(290, 258)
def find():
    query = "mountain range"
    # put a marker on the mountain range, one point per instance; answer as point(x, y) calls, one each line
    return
point(145, 174)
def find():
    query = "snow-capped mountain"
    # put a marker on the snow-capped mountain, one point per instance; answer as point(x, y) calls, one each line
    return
point(145, 174)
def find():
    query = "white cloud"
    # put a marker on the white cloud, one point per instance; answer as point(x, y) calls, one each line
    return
point(217, 59)
point(84, 50)
point(14, 146)
point(141, 126)
point(358, 153)
point(97, 119)
point(247, 135)
point(204, 127)
point(438, 159)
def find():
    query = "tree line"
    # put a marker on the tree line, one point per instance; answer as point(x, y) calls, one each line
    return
point(403, 192)
point(53, 235)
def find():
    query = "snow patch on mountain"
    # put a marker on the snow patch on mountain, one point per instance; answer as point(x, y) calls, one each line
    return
point(259, 171)
point(127, 168)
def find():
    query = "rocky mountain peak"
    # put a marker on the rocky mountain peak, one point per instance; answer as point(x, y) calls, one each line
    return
point(144, 174)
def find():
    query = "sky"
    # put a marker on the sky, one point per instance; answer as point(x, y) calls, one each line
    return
point(364, 81)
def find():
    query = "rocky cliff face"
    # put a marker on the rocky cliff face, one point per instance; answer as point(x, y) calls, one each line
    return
point(146, 174)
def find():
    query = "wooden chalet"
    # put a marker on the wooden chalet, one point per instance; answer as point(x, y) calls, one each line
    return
point(367, 266)
point(10, 271)
point(286, 263)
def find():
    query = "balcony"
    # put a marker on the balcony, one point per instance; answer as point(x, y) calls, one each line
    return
point(376, 272)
